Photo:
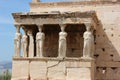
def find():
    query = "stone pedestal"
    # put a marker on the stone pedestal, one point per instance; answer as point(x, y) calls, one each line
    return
point(80, 69)
point(38, 70)
point(20, 69)
point(53, 69)
point(56, 70)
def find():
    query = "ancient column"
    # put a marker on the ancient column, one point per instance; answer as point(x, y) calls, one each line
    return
point(25, 41)
point(62, 42)
point(88, 48)
point(31, 43)
point(40, 37)
point(17, 41)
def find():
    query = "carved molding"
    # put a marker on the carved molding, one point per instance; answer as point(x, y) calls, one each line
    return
point(56, 18)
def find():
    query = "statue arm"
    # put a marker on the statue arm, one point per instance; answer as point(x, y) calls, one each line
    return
point(37, 40)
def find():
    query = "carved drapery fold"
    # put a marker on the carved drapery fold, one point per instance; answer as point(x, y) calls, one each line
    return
point(40, 37)
point(25, 43)
point(88, 48)
point(31, 43)
point(17, 41)
point(62, 42)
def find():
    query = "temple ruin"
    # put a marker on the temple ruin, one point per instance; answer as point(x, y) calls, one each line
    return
point(72, 40)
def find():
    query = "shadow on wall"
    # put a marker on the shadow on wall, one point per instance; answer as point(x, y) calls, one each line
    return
point(106, 55)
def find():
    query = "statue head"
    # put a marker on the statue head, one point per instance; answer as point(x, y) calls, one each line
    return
point(17, 28)
point(40, 28)
point(88, 27)
point(62, 26)
point(25, 30)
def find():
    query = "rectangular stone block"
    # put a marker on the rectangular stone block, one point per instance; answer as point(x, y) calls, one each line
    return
point(77, 64)
point(38, 70)
point(79, 74)
point(56, 70)
point(20, 70)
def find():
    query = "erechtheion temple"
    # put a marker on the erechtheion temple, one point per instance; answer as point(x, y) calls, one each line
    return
point(69, 40)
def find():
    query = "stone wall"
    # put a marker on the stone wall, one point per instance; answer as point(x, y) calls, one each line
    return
point(52, 69)
point(107, 51)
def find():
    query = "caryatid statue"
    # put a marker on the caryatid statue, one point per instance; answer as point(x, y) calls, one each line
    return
point(88, 42)
point(17, 41)
point(62, 42)
point(25, 42)
point(40, 37)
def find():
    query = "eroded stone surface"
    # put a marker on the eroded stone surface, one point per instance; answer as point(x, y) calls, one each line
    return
point(20, 70)
point(78, 74)
point(56, 70)
point(38, 70)
point(104, 17)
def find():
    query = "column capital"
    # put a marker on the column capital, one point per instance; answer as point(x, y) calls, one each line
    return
point(30, 32)
point(24, 29)
point(88, 24)
point(62, 26)
point(18, 28)
point(40, 27)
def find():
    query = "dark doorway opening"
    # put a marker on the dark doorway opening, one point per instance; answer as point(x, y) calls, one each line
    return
point(75, 40)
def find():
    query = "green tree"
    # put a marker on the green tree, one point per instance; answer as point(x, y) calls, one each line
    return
point(6, 75)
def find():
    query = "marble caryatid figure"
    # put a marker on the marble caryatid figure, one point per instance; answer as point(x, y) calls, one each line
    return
point(17, 41)
point(40, 37)
point(62, 42)
point(88, 43)
point(25, 43)
point(31, 43)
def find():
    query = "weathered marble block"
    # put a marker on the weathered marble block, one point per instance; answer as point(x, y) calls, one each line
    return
point(38, 70)
point(20, 70)
point(56, 70)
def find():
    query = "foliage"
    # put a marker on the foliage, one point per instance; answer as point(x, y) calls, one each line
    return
point(6, 75)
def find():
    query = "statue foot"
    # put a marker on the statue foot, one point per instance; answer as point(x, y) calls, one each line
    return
point(61, 58)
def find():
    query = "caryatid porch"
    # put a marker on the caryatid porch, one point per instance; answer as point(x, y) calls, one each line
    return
point(40, 25)
point(56, 37)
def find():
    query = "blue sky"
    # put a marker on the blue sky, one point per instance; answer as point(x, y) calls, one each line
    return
point(7, 29)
